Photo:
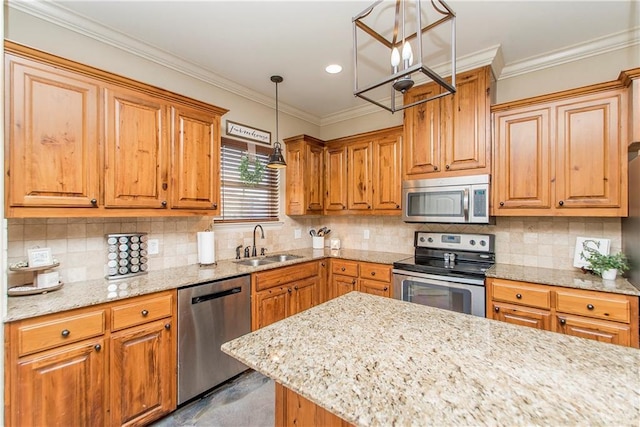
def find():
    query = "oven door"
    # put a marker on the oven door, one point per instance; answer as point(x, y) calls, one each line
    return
point(425, 289)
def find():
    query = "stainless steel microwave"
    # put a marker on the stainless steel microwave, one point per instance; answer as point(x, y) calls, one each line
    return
point(457, 200)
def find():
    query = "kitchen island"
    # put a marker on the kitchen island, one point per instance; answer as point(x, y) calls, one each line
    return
point(378, 361)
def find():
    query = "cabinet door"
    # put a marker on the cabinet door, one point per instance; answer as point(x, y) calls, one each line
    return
point(465, 118)
point(53, 136)
point(589, 154)
point(359, 176)
point(314, 179)
point(304, 295)
point(305, 175)
point(341, 285)
point(386, 174)
point(336, 179)
point(375, 287)
point(422, 133)
point(136, 151)
point(143, 373)
point(60, 387)
point(599, 330)
point(271, 306)
point(521, 315)
point(195, 167)
point(522, 168)
point(295, 170)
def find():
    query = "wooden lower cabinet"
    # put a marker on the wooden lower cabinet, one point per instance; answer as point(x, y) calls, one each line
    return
point(370, 278)
point(294, 410)
point(73, 369)
point(283, 292)
point(599, 316)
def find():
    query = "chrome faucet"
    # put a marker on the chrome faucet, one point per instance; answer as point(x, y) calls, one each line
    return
point(254, 251)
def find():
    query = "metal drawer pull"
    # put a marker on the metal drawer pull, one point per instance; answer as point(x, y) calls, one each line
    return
point(373, 273)
point(98, 347)
point(65, 333)
point(343, 269)
point(144, 313)
point(563, 321)
point(497, 309)
point(167, 326)
point(519, 296)
point(590, 306)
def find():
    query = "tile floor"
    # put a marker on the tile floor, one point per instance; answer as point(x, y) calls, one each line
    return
point(247, 401)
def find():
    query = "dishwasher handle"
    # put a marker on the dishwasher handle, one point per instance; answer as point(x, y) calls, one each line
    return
point(215, 295)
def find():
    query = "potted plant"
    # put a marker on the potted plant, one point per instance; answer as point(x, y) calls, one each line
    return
point(606, 266)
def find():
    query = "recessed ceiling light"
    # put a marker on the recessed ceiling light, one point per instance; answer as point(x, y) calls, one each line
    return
point(333, 69)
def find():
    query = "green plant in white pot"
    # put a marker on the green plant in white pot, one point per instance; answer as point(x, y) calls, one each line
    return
point(606, 266)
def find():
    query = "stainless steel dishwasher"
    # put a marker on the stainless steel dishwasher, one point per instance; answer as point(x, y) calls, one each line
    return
point(210, 314)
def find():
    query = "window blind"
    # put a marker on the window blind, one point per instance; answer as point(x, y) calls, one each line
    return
point(242, 201)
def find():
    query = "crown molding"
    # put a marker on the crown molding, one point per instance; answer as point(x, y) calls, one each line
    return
point(62, 17)
point(576, 52)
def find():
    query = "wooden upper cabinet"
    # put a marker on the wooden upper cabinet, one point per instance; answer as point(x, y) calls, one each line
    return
point(136, 150)
point(522, 160)
point(590, 154)
point(336, 178)
point(562, 155)
point(359, 176)
point(305, 175)
point(53, 132)
point(195, 168)
point(631, 78)
point(387, 172)
point(449, 136)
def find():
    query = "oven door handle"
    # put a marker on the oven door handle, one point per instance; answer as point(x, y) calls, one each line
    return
point(465, 203)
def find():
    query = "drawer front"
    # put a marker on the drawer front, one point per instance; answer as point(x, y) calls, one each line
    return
point(375, 272)
point(597, 305)
point(141, 311)
point(522, 293)
point(282, 275)
point(54, 333)
point(344, 268)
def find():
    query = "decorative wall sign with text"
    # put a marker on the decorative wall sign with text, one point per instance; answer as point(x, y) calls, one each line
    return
point(249, 133)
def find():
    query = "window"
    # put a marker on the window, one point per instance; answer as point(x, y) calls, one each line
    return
point(242, 201)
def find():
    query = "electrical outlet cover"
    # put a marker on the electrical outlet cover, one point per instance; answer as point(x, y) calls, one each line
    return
point(602, 245)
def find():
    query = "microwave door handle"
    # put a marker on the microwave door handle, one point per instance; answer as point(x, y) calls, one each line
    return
point(465, 203)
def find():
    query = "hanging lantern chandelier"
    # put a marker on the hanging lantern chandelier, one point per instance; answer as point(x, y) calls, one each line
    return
point(392, 43)
point(276, 159)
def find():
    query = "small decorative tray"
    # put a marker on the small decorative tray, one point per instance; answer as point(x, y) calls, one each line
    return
point(21, 267)
point(31, 289)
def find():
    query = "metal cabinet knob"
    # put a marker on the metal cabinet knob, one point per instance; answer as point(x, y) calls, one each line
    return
point(563, 321)
point(519, 296)
point(215, 206)
point(448, 167)
point(397, 206)
point(373, 273)
point(144, 313)
point(295, 287)
point(65, 333)
point(435, 168)
point(323, 264)
point(289, 290)
point(386, 288)
point(590, 306)
point(97, 347)
point(342, 269)
point(94, 202)
point(353, 282)
point(496, 309)
point(561, 203)
point(167, 326)
point(501, 203)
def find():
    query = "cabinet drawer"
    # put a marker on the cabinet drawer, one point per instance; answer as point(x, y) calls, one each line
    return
point(522, 293)
point(596, 305)
point(141, 311)
point(375, 271)
point(345, 268)
point(280, 276)
point(33, 337)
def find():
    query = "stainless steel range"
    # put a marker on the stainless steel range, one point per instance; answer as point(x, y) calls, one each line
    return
point(446, 271)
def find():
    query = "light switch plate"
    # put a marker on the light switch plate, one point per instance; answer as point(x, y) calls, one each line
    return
point(154, 247)
point(602, 245)
point(366, 234)
point(297, 233)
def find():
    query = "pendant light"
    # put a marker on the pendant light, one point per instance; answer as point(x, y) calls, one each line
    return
point(276, 160)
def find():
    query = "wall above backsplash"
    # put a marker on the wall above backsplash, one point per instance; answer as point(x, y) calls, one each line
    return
point(79, 243)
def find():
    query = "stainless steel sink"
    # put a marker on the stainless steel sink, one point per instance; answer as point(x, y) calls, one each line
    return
point(255, 262)
point(282, 257)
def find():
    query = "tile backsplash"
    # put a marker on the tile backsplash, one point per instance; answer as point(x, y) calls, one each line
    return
point(80, 245)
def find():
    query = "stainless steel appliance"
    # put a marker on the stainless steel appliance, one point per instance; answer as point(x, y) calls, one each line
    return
point(446, 271)
point(462, 199)
point(631, 224)
point(209, 315)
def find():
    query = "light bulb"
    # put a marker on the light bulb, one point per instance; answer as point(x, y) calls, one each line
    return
point(395, 57)
point(407, 54)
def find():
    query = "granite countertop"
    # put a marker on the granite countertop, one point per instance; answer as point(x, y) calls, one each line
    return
point(93, 292)
point(565, 278)
point(376, 361)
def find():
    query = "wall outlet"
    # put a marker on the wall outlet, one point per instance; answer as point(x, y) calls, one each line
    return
point(366, 234)
point(297, 233)
point(153, 247)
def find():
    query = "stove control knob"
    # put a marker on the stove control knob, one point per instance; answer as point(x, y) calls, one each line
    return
point(430, 239)
point(472, 242)
point(422, 239)
point(483, 243)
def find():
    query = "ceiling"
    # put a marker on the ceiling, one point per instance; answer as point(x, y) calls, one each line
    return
point(238, 45)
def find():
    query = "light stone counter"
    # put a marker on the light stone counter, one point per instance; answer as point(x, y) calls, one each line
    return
point(84, 294)
point(565, 278)
point(376, 361)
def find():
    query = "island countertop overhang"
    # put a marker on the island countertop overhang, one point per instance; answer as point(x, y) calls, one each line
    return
point(378, 361)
